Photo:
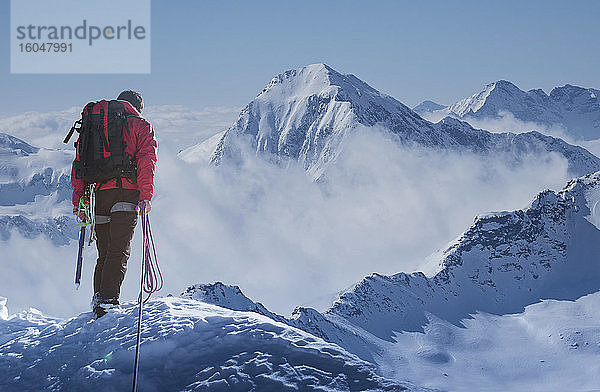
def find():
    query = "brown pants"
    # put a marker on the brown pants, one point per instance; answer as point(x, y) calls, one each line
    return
point(113, 241)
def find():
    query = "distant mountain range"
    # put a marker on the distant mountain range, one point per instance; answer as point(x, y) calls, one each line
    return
point(504, 262)
point(577, 109)
point(306, 114)
point(33, 181)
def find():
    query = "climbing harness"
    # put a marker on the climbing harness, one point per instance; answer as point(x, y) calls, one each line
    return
point(151, 279)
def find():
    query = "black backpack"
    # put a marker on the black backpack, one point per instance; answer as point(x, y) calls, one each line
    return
point(101, 144)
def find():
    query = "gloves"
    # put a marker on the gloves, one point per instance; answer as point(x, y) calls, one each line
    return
point(144, 207)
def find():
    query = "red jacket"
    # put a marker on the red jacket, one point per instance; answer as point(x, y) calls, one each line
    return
point(141, 144)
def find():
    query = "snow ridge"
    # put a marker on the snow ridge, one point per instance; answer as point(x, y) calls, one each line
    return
point(186, 346)
point(502, 263)
point(576, 108)
point(227, 296)
point(306, 114)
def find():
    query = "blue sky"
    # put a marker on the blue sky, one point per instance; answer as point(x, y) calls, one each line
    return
point(222, 53)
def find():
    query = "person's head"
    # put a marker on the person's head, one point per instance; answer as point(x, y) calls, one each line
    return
point(133, 97)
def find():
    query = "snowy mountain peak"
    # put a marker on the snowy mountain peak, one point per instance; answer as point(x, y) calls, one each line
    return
point(304, 114)
point(574, 98)
point(504, 84)
point(315, 79)
point(227, 296)
point(12, 145)
point(502, 263)
point(497, 91)
point(577, 109)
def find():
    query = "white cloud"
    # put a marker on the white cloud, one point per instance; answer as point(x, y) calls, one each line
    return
point(284, 239)
point(36, 273)
point(504, 122)
point(180, 127)
point(176, 125)
point(41, 129)
point(287, 242)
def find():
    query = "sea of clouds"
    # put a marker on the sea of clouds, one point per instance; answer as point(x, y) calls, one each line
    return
point(283, 238)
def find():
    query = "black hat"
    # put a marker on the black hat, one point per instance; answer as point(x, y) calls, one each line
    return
point(133, 97)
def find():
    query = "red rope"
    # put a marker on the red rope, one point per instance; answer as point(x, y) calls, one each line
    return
point(151, 279)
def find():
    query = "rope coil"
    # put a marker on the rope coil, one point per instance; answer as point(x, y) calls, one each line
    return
point(151, 279)
point(83, 210)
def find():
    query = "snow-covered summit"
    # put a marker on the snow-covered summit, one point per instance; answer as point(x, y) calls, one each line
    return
point(12, 145)
point(493, 94)
point(227, 296)
point(186, 345)
point(575, 108)
point(306, 114)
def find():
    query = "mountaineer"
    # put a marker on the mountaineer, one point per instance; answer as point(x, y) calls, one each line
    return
point(112, 178)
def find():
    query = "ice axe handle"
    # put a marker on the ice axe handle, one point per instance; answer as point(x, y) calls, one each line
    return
point(73, 128)
point(79, 257)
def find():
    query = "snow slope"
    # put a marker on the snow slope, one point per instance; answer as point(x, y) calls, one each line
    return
point(502, 263)
point(551, 346)
point(306, 115)
point(577, 109)
point(227, 296)
point(186, 346)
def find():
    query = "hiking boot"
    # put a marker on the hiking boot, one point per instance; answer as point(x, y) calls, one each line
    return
point(101, 306)
point(95, 301)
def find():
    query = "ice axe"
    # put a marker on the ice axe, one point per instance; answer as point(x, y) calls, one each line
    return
point(79, 257)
